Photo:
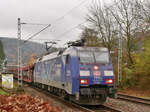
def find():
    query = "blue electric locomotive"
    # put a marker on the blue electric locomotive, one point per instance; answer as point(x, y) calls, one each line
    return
point(82, 74)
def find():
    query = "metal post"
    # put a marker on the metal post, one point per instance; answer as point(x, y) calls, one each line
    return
point(120, 58)
point(19, 56)
point(20, 86)
point(3, 66)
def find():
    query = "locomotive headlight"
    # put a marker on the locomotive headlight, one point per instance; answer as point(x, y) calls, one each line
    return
point(108, 73)
point(96, 67)
point(109, 81)
point(84, 81)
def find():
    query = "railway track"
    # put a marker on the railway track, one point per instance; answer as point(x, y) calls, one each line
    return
point(85, 108)
point(104, 108)
point(68, 103)
point(134, 99)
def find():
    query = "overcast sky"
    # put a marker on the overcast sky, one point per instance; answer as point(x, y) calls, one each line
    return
point(46, 12)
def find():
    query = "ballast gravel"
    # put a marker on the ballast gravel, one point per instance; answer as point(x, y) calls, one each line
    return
point(126, 106)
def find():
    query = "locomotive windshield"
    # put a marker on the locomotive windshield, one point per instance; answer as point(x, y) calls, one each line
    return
point(86, 57)
point(93, 57)
point(102, 57)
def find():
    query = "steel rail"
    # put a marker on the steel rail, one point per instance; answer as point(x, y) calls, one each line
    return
point(88, 108)
point(103, 108)
point(134, 99)
point(112, 109)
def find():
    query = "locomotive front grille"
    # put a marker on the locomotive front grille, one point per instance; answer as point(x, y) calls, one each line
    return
point(92, 91)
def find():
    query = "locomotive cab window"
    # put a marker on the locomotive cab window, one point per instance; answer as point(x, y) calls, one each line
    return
point(86, 57)
point(93, 57)
point(101, 57)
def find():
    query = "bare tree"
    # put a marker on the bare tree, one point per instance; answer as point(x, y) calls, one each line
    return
point(91, 37)
point(144, 15)
point(146, 10)
point(127, 15)
point(101, 20)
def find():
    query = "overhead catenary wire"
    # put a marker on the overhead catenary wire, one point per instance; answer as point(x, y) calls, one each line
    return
point(69, 30)
point(37, 33)
point(64, 33)
point(61, 17)
point(82, 2)
point(46, 39)
point(34, 24)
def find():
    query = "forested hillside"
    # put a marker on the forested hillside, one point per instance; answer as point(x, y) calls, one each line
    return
point(10, 50)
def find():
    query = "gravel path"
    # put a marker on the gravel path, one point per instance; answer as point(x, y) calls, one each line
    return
point(126, 106)
point(58, 104)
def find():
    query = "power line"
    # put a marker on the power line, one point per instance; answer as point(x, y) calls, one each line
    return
point(70, 11)
point(62, 34)
point(55, 21)
point(45, 39)
point(80, 23)
point(34, 24)
point(69, 30)
point(37, 33)
point(82, 2)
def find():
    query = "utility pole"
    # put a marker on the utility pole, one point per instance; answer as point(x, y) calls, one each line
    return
point(20, 86)
point(19, 56)
point(120, 58)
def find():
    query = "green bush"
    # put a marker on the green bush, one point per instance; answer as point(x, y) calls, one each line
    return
point(128, 79)
point(138, 74)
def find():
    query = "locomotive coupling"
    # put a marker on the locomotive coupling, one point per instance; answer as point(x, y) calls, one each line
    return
point(113, 93)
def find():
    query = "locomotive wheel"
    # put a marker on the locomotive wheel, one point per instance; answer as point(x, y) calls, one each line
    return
point(56, 91)
point(63, 94)
point(51, 90)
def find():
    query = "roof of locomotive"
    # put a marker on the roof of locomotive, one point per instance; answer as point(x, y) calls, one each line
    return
point(72, 51)
point(92, 48)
